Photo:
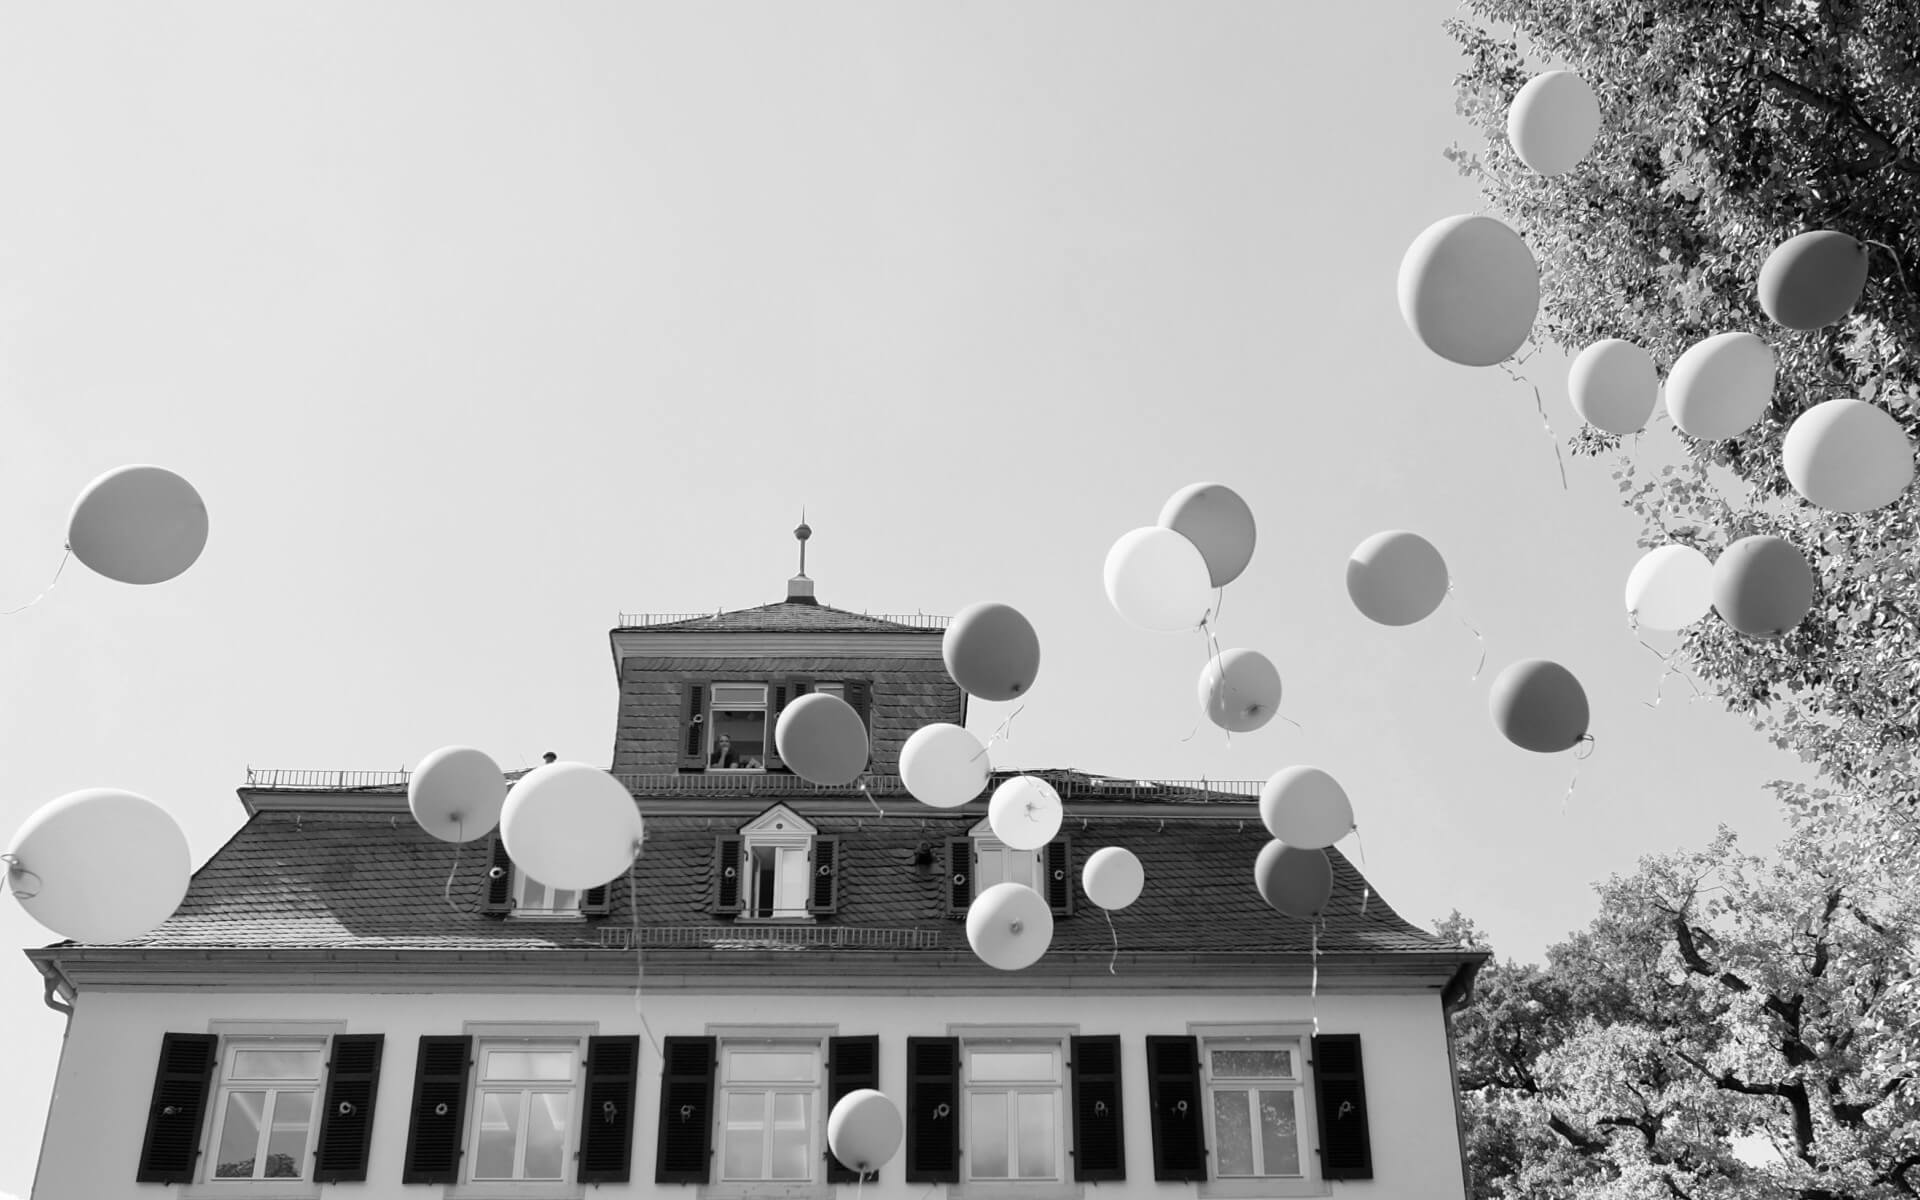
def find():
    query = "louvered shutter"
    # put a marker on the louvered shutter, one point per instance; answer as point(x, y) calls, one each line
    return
point(686, 1110)
point(187, 1062)
point(852, 1063)
point(693, 724)
point(1099, 1141)
point(346, 1120)
point(959, 875)
point(606, 1125)
point(1057, 862)
point(596, 902)
point(439, 1110)
point(859, 694)
point(499, 878)
point(726, 875)
point(1346, 1150)
point(823, 895)
point(1173, 1096)
point(933, 1110)
point(780, 693)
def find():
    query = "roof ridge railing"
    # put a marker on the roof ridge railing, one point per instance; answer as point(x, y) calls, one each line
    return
point(748, 784)
point(279, 777)
point(736, 937)
point(640, 620)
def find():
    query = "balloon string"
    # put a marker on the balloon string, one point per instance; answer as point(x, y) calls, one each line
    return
point(639, 956)
point(1314, 992)
point(1895, 256)
point(1006, 727)
point(1460, 615)
point(868, 793)
point(1668, 670)
point(43, 591)
point(1366, 889)
point(1585, 743)
point(1210, 645)
point(1544, 423)
point(14, 868)
point(1116, 942)
point(1219, 600)
point(459, 828)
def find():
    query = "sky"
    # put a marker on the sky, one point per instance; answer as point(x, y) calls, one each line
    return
point(479, 324)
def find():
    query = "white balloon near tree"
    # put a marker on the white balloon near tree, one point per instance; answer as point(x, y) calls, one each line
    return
point(1613, 386)
point(944, 765)
point(1848, 456)
point(138, 524)
point(1158, 580)
point(1812, 280)
point(1719, 387)
point(1025, 812)
point(1113, 877)
point(823, 740)
point(456, 793)
point(1553, 121)
point(1306, 807)
point(1396, 578)
point(864, 1130)
point(1469, 290)
point(1009, 926)
point(1670, 588)
point(570, 825)
point(1240, 690)
point(1763, 586)
point(99, 865)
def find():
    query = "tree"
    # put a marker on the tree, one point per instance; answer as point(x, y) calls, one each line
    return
point(1729, 126)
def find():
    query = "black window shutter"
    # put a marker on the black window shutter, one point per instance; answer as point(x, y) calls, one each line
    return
point(1173, 1095)
point(933, 1110)
point(823, 894)
point(439, 1110)
point(346, 1120)
point(606, 1125)
point(596, 902)
point(852, 1063)
point(1346, 1152)
point(1099, 1137)
point(686, 1110)
point(693, 721)
point(1058, 865)
point(780, 693)
point(726, 875)
point(187, 1062)
point(499, 878)
point(859, 694)
point(959, 875)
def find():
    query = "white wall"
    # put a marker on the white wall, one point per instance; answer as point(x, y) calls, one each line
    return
point(105, 1080)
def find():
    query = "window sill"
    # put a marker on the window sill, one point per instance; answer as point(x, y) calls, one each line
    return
point(1263, 1189)
point(772, 1190)
point(522, 914)
point(796, 919)
point(1013, 1189)
point(507, 1189)
point(251, 1189)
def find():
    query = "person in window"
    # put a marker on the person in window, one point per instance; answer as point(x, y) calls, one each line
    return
point(723, 755)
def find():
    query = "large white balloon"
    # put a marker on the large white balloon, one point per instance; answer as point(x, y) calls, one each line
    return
point(1396, 578)
point(1719, 387)
point(864, 1130)
point(1469, 290)
point(99, 865)
point(1158, 580)
point(1009, 926)
point(1613, 386)
point(1670, 588)
point(823, 739)
point(1024, 812)
point(456, 793)
point(1240, 690)
point(1552, 122)
point(1814, 279)
point(570, 825)
point(944, 766)
point(138, 524)
point(1848, 456)
point(1112, 877)
point(1306, 808)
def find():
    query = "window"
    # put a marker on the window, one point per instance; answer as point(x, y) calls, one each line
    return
point(533, 899)
point(777, 855)
point(525, 1098)
point(1013, 1111)
point(737, 731)
point(1256, 1107)
point(831, 689)
point(269, 1092)
point(769, 1111)
point(996, 862)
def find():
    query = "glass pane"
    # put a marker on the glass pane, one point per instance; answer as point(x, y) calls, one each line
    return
point(793, 880)
point(831, 689)
point(1015, 1065)
point(745, 1143)
point(564, 901)
point(772, 1066)
point(546, 1134)
point(499, 1135)
point(276, 1064)
point(1279, 1134)
point(240, 1135)
point(533, 893)
point(989, 868)
point(739, 740)
point(1252, 1064)
point(791, 1144)
point(287, 1142)
point(987, 1136)
point(529, 1064)
point(725, 694)
point(1233, 1130)
point(1036, 1135)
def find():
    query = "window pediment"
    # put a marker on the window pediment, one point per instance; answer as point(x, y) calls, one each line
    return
point(778, 824)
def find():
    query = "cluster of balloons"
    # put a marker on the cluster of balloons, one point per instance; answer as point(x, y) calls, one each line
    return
point(1306, 810)
point(1762, 586)
point(1162, 577)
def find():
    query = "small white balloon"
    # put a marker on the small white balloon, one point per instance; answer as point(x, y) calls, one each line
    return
point(99, 865)
point(1848, 456)
point(1613, 386)
point(1552, 122)
point(1670, 588)
point(1240, 690)
point(1024, 812)
point(1113, 877)
point(456, 793)
point(1158, 580)
point(570, 825)
point(1306, 808)
point(864, 1130)
point(944, 765)
point(1719, 387)
point(1009, 926)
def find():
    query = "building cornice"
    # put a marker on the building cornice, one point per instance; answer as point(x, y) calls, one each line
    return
point(746, 803)
point(904, 644)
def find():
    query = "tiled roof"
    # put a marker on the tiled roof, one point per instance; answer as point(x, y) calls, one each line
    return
point(787, 617)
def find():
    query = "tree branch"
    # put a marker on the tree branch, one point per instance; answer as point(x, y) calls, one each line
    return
point(1889, 149)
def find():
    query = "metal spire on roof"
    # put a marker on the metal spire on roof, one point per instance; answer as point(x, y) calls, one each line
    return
point(800, 588)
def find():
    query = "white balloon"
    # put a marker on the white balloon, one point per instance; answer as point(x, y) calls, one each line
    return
point(1469, 290)
point(456, 793)
point(1009, 926)
point(570, 825)
point(1670, 588)
point(1112, 877)
point(138, 524)
point(1306, 808)
point(1240, 690)
point(944, 766)
point(1552, 122)
point(864, 1129)
point(1024, 812)
point(1158, 580)
point(822, 739)
point(1848, 456)
point(99, 865)
point(1613, 386)
point(1719, 387)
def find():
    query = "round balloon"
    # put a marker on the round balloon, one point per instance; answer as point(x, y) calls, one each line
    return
point(1814, 279)
point(1540, 706)
point(1719, 387)
point(823, 739)
point(991, 651)
point(1293, 879)
point(944, 766)
point(1613, 386)
point(1762, 586)
point(1396, 578)
point(570, 825)
point(1670, 588)
point(1218, 522)
point(1239, 690)
point(1158, 580)
point(1848, 456)
point(864, 1130)
point(1112, 877)
point(138, 524)
point(1305, 807)
point(1469, 290)
point(1552, 122)
point(100, 865)
point(456, 793)
point(1024, 812)
point(1009, 926)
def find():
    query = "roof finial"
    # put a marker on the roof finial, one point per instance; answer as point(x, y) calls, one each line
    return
point(802, 534)
point(800, 588)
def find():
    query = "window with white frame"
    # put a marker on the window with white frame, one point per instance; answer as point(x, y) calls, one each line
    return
point(1256, 1107)
point(770, 1111)
point(996, 862)
point(526, 1095)
point(263, 1123)
point(1013, 1098)
point(534, 899)
point(777, 852)
point(737, 727)
point(838, 690)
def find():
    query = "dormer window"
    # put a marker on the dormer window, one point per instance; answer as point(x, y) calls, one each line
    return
point(778, 867)
point(727, 725)
point(737, 730)
point(533, 899)
point(996, 862)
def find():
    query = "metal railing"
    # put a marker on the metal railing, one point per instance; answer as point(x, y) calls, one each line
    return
point(643, 620)
point(749, 784)
point(741, 937)
point(263, 777)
